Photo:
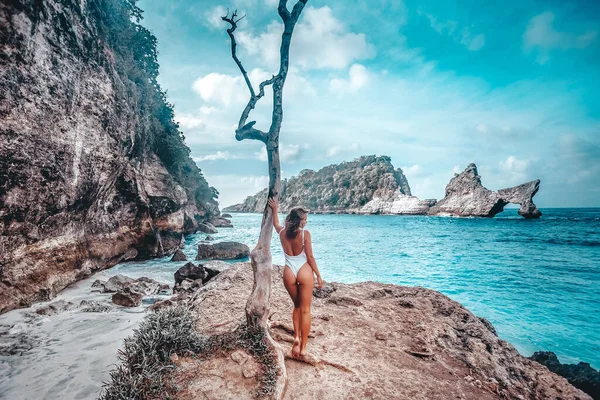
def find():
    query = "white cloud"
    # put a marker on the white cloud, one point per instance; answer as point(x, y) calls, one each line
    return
point(213, 17)
point(234, 189)
point(514, 165)
point(189, 121)
point(219, 155)
point(230, 90)
point(287, 153)
point(320, 41)
point(413, 171)
point(337, 149)
point(471, 41)
point(358, 78)
point(541, 35)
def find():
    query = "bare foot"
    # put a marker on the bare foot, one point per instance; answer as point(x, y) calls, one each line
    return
point(296, 348)
point(303, 352)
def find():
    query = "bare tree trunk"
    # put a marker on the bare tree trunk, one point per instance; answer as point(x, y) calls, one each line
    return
point(257, 307)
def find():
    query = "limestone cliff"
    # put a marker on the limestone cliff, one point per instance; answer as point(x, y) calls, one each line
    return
point(467, 197)
point(367, 185)
point(93, 169)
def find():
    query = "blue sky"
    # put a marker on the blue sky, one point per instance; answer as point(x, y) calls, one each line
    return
point(512, 86)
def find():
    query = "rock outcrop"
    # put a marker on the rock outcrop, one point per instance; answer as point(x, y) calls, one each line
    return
point(93, 169)
point(467, 197)
point(367, 185)
point(581, 375)
point(222, 251)
point(368, 340)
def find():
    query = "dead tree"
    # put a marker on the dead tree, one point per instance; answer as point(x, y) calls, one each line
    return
point(257, 307)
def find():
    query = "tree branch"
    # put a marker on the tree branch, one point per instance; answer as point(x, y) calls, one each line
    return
point(297, 10)
point(233, 22)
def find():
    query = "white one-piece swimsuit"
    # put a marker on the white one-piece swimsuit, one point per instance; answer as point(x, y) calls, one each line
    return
point(295, 262)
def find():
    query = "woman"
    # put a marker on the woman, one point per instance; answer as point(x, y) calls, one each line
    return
point(300, 265)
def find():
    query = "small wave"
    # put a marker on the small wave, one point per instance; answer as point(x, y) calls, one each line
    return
point(564, 242)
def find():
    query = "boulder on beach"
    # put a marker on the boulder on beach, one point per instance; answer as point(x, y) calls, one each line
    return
point(127, 298)
point(207, 227)
point(56, 307)
point(179, 256)
point(98, 285)
point(214, 268)
point(190, 271)
point(222, 251)
point(117, 282)
point(221, 223)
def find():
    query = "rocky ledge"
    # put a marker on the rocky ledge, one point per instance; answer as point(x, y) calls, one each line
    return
point(368, 340)
point(467, 197)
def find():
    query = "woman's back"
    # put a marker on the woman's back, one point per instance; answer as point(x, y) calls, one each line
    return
point(292, 247)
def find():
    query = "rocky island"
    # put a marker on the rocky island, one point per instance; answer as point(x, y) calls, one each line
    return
point(371, 185)
point(467, 197)
point(93, 169)
point(367, 185)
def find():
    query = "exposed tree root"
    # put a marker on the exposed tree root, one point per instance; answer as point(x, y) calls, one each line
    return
point(318, 362)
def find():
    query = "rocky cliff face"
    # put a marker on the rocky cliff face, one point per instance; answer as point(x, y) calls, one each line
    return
point(92, 167)
point(467, 197)
point(367, 185)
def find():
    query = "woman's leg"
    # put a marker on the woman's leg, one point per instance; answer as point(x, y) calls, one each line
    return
point(291, 285)
point(306, 282)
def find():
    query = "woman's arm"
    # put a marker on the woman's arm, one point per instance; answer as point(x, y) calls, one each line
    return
point(311, 258)
point(275, 207)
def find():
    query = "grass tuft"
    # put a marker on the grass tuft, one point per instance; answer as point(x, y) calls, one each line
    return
point(145, 364)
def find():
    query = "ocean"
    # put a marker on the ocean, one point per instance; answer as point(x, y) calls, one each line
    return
point(537, 281)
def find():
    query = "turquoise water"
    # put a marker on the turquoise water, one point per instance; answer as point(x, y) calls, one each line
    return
point(537, 281)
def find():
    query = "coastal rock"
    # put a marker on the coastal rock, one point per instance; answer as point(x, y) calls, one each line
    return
point(371, 349)
point(221, 223)
point(179, 256)
point(191, 272)
point(581, 375)
point(222, 251)
point(92, 306)
point(226, 216)
point(127, 298)
point(93, 169)
point(214, 268)
point(207, 227)
point(209, 238)
point(56, 307)
point(117, 282)
point(367, 185)
point(467, 197)
point(188, 286)
point(98, 285)
point(523, 195)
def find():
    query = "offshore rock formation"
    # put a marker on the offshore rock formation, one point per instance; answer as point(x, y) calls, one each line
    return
point(467, 197)
point(93, 170)
point(368, 340)
point(367, 185)
point(580, 375)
